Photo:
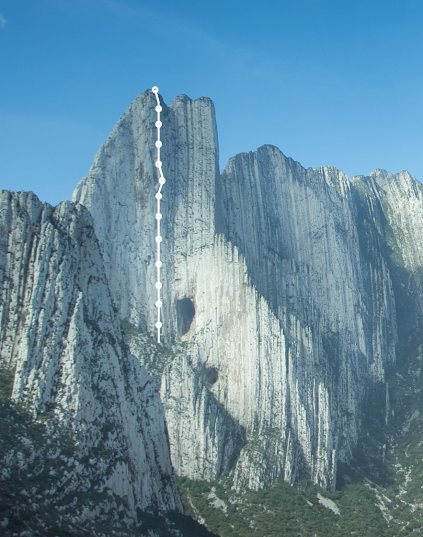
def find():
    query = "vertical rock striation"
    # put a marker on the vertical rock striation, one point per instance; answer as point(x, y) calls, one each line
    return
point(285, 294)
point(394, 204)
point(60, 333)
point(297, 230)
point(279, 313)
point(119, 192)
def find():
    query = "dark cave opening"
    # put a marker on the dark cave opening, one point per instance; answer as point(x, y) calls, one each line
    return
point(210, 374)
point(185, 312)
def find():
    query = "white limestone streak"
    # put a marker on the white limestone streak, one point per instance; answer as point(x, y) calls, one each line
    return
point(162, 181)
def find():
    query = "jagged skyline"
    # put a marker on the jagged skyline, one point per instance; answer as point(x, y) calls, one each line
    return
point(329, 84)
point(293, 305)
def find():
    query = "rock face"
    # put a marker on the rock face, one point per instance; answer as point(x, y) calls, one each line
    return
point(335, 306)
point(282, 306)
point(393, 204)
point(279, 306)
point(61, 335)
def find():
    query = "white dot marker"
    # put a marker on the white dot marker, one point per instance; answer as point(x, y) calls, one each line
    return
point(158, 144)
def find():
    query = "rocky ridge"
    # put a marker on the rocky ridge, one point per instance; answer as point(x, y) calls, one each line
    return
point(61, 336)
point(284, 289)
point(285, 317)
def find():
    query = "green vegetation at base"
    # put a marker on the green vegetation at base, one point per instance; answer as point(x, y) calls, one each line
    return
point(286, 511)
point(379, 493)
point(49, 488)
point(6, 383)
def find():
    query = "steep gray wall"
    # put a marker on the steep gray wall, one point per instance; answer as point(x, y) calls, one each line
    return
point(60, 333)
point(293, 320)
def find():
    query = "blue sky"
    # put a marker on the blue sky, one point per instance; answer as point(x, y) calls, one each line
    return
point(330, 82)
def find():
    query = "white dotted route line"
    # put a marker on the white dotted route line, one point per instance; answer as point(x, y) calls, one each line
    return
point(162, 181)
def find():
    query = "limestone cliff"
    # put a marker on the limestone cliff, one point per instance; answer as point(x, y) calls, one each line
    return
point(282, 307)
point(61, 335)
point(277, 314)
